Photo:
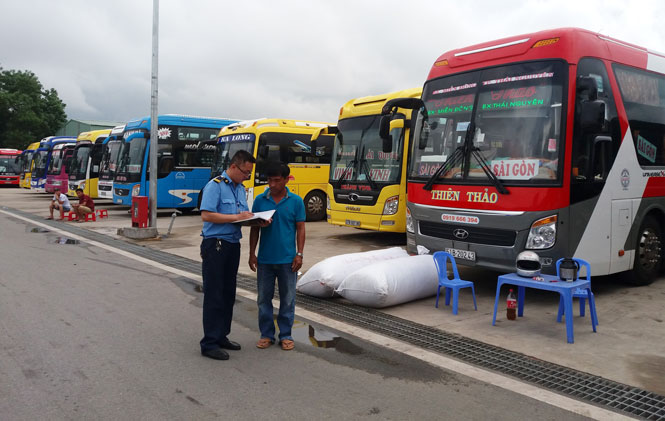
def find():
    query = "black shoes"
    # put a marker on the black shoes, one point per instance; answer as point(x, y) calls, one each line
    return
point(219, 353)
point(233, 346)
point(216, 354)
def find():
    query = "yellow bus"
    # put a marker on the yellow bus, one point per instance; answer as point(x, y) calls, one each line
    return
point(288, 141)
point(84, 166)
point(26, 165)
point(367, 185)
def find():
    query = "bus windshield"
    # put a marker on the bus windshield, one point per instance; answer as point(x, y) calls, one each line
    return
point(358, 153)
point(227, 146)
point(26, 158)
point(132, 156)
point(510, 115)
point(57, 159)
point(8, 165)
point(40, 159)
point(79, 165)
point(109, 161)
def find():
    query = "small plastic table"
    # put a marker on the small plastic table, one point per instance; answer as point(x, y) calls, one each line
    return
point(549, 283)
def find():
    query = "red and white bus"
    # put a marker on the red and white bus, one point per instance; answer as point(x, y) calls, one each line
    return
point(10, 172)
point(552, 142)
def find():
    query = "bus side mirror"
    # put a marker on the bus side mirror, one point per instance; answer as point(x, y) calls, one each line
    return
point(424, 136)
point(384, 127)
point(166, 165)
point(588, 87)
point(321, 131)
point(396, 123)
point(592, 116)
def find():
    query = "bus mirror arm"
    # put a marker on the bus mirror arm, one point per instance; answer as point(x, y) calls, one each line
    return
point(328, 130)
point(407, 103)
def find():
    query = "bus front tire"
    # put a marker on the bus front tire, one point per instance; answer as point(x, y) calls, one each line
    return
point(648, 262)
point(315, 206)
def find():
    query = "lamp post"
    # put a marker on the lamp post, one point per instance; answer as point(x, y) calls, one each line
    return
point(154, 116)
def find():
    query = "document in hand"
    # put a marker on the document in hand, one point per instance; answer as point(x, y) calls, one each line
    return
point(258, 215)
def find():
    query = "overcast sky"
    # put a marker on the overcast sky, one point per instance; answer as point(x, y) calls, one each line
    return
point(286, 59)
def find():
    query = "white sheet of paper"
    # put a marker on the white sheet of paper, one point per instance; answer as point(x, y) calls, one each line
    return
point(259, 215)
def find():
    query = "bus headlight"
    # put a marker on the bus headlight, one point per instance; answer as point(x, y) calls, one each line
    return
point(542, 234)
point(136, 190)
point(392, 203)
point(409, 222)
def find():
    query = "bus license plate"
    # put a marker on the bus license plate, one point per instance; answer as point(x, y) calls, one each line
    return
point(352, 223)
point(462, 254)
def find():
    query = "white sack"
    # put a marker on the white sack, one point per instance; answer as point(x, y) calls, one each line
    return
point(391, 282)
point(323, 278)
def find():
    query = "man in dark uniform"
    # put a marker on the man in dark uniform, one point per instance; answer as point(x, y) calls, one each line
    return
point(223, 203)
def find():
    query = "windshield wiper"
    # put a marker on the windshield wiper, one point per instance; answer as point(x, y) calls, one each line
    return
point(445, 167)
point(465, 151)
point(342, 177)
point(475, 151)
point(365, 166)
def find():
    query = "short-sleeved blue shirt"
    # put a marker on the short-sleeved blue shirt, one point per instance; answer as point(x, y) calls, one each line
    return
point(278, 240)
point(221, 195)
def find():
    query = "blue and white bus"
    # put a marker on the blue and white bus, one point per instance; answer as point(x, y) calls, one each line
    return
point(109, 163)
point(186, 151)
point(42, 159)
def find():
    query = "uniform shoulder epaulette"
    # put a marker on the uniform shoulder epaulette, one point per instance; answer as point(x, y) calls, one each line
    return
point(219, 179)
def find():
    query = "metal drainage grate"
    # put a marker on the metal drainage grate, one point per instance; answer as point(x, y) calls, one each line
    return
point(582, 386)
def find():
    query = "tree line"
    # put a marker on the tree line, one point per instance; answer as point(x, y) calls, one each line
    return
point(28, 110)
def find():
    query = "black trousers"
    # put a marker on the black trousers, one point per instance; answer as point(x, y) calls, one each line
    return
point(219, 271)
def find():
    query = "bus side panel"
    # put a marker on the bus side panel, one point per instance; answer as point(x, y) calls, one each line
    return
point(622, 217)
point(625, 181)
point(165, 190)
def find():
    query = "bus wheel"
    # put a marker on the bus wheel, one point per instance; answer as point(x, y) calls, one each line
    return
point(648, 253)
point(315, 206)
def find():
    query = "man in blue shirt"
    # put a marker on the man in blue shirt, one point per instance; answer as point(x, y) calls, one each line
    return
point(223, 203)
point(277, 257)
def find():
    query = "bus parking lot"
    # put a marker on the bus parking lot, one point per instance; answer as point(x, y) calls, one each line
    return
point(627, 348)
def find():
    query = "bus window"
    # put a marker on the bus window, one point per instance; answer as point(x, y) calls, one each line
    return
point(292, 148)
point(643, 95)
point(197, 133)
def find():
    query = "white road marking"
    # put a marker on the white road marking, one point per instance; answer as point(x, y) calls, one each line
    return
point(433, 358)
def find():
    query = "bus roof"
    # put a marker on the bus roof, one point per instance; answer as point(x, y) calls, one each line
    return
point(62, 145)
point(371, 105)
point(48, 141)
point(32, 146)
point(93, 135)
point(10, 151)
point(117, 130)
point(175, 119)
point(570, 44)
point(274, 123)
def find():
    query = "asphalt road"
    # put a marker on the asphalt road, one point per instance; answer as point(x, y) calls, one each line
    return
point(87, 334)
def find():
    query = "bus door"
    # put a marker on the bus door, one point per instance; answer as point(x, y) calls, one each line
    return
point(594, 150)
point(182, 183)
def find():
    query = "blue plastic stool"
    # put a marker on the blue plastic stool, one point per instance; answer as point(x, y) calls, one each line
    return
point(579, 293)
point(452, 285)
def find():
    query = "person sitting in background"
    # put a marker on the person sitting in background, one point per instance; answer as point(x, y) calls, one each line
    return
point(60, 202)
point(85, 205)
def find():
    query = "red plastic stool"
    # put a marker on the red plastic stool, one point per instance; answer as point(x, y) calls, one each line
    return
point(71, 216)
point(90, 217)
point(103, 213)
